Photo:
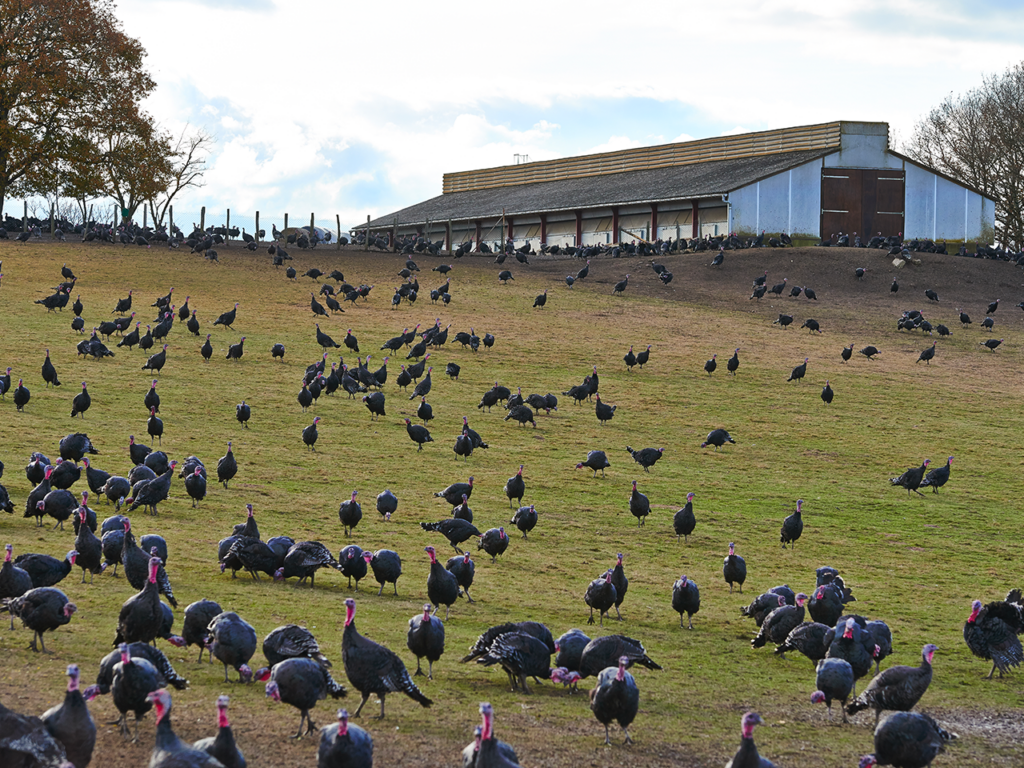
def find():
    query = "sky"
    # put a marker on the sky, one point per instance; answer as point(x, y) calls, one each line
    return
point(356, 109)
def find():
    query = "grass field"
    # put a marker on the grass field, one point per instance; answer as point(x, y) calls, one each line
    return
point(915, 562)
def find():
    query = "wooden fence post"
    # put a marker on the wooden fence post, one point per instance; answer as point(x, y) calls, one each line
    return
point(227, 228)
point(337, 218)
point(24, 218)
point(286, 221)
point(257, 233)
point(312, 223)
point(170, 224)
point(202, 218)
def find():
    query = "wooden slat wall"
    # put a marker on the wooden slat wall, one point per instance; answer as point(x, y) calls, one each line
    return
point(823, 136)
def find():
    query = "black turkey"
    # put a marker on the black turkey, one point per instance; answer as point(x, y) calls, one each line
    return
point(141, 614)
point(600, 594)
point(301, 682)
point(734, 568)
point(595, 460)
point(520, 655)
point(616, 698)
point(493, 541)
point(898, 688)
point(747, 756)
point(792, 527)
point(426, 640)
point(685, 599)
point(907, 739)
point(233, 643)
point(835, 683)
point(344, 745)
point(639, 506)
point(195, 628)
point(169, 751)
point(779, 623)
point(603, 652)
point(42, 609)
point(71, 724)
point(372, 668)
point(717, 438)
point(991, 632)
point(912, 478)
point(684, 521)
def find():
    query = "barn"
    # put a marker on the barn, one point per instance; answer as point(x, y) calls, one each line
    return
point(808, 181)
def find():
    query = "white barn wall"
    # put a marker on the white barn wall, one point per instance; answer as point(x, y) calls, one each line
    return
point(940, 209)
point(787, 202)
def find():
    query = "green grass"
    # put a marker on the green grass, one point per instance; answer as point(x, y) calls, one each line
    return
point(916, 563)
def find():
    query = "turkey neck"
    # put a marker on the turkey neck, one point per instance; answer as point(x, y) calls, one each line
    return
point(166, 739)
point(746, 756)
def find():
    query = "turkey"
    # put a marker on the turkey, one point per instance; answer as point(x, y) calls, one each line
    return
point(717, 438)
point(372, 668)
point(683, 522)
point(734, 569)
point(600, 594)
point(222, 746)
point(809, 639)
point(58, 504)
point(350, 513)
point(799, 372)
point(595, 460)
point(49, 372)
point(826, 606)
point(301, 682)
point(227, 467)
point(912, 478)
point(793, 526)
point(243, 413)
point(647, 457)
point(521, 655)
point(897, 688)
point(96, 478)
point(936, 478)
point(991, 632)
point(927, 355)
point(154, 492)
point(374, 403)
point(515, 487)
point(42, 609)
point(487, 751)
point(141, 614)
point(156, 362)
point(522, 414)
point(827, 393)
point(352, 564)
point(426, 639)
point(639, 506)
point(685, 599)
point(835, 683)
point(71, 724)
point(620, 287)
point(848, 643)
point(615, 697)
point(75, 446)
point(14, 580)
point(227, 319)
point(195, 628)
point(493, 541)
point(422, 388)
point(541, 300)
point(418, 434)
point(747, 756)
point(456, 530)
point(133, 679)
point(442, 586)
point(44, 570)
point(195, 486)
point(779, 623)
point(603, 652)
point(463, 569)
point(386, 566)
point(233, 643)
point(344, 745)
point(463, 512)
point(907, 740)
point(169, 751)
point(604, 411)
point(453, 493)
point(387, 503)
point(525, 519)
point(304, 559)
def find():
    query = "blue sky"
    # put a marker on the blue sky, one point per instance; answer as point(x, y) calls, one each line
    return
point(317, 106)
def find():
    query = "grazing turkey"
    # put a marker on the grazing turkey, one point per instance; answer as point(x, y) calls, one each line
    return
point(233, 643)
point(222, 746)
point(835, 683)
point(373, 669)
point(303, 559)
point(850, 644)
point(42, 609)
point(291, 642)
point(799, 372)
point(685, 599)
point(615, 698)
point(442, 586)
point(734, 568)
point(647, 457)
point(717, 438)
point(71, 724)
point(897, 688)
point(525, 519)
point(747, 756)
point(912, 478)
point(425, 639)
point(907, 739)
point(927, 355)
point(603, 652)
point(779, 623)
point(387, 503)
point(521, 655)
point(453, 493)
point(344, 745)
point(301, 682)
point(169, 751)
point(991, 632)
point(809, 639)
point(936, 478)
point(418, 434)
point(793, 526)
point(595, 460)
point(604, 412)
point(826, 606)
point(639, 506)
point(195, 628)
point(463, 569)
point(600, 594)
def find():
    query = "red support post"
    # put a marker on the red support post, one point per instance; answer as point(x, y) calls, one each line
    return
point(615, 223)
point(695, 224)
point(543, 229)
point(653, 235)
point(579, 228)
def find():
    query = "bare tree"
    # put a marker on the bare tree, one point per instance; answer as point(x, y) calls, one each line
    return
point(975, 137)
point(188, 167)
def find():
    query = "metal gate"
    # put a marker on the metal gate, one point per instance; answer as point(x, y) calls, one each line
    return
point(863, 201)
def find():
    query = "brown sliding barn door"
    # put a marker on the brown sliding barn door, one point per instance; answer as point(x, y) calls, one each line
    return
point(861, 200)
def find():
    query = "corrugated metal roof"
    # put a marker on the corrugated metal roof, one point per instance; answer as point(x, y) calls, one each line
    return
point(688, 182)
